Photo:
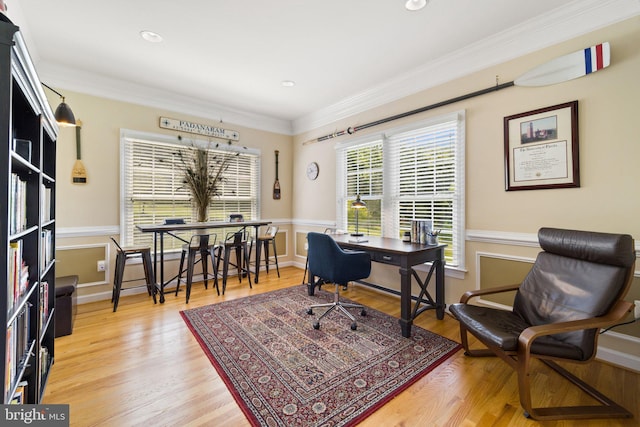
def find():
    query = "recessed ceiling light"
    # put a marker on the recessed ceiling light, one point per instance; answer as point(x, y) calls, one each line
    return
point(414, 5)
point(288, 83)
point(150, 36)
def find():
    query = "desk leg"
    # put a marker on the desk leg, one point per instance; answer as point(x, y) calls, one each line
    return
point(405, 301)
point(258, 256)
point(440, 304)
point(161, 268)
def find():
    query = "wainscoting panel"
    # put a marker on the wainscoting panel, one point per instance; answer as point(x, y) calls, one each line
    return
point(82, 261)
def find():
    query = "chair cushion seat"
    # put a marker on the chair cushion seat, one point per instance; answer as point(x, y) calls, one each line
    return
point(501, 328)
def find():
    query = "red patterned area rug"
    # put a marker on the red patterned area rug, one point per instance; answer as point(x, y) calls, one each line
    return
point(282, 372)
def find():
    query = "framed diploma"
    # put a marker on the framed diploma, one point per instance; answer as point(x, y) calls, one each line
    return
point(541, 148)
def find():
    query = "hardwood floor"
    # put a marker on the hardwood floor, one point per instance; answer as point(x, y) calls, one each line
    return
point(142, 366)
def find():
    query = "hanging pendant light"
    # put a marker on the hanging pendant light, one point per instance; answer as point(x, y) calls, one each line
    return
point(63, 114)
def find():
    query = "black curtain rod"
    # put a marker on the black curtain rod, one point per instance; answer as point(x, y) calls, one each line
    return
point(352, 130)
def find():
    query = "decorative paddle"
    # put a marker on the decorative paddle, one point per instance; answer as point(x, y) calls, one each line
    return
point(78, 173)
point(561, 69)
point(276, 184)
point(568, 67)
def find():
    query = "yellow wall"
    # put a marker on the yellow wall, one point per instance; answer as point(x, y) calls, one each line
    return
point(609, 149)
point(608, 132)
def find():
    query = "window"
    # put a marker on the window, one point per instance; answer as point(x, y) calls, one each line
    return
point(363, 173)
point(152, 188)
point(413, 172)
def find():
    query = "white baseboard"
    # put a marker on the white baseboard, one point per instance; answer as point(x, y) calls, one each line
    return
point(618, 358)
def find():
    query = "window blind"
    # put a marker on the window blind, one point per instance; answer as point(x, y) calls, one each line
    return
point(413, 172)
point(425, 177)
point(152, 185)
point(363, 167)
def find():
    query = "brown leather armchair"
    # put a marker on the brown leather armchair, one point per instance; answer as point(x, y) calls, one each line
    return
point(575, 287)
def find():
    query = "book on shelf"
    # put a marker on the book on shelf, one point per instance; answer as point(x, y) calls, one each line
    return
point(44, 303)
point(46, 203)
point(44, 363)
point(20, 395)
point(18, 342)
point(18, 280)
point(47, 248)
point(17, 204)
point(8, 362)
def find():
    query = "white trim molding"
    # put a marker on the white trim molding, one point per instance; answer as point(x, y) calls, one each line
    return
point(503, 237)
point(104, 230)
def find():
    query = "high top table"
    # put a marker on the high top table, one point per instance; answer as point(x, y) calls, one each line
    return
point(159, 231)
point(406, 256)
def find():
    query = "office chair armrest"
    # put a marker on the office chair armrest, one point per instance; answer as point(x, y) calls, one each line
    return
point(479, 292)
point(615, 315)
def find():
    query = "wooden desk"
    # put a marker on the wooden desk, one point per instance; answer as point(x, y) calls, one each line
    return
point(159, 231)
point(406, 256)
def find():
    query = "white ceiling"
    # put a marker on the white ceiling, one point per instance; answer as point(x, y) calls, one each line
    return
point(226, 59)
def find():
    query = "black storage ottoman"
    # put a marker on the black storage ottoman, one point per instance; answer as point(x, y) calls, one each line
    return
point(66, 306)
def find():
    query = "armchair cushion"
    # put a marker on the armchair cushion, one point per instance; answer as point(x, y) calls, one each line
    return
point(578, 276)
point(502, 329)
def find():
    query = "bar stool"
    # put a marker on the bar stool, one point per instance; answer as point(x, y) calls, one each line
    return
point(122, 256)
point(203, 245)
point(234, 241)
point(269, 237)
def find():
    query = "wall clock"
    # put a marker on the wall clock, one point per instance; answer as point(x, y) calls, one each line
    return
point(313, 170)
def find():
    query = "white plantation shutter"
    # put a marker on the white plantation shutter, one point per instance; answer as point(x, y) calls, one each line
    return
point(413, 172)
point(363, 167)
point(152, 188)
point(427, 175)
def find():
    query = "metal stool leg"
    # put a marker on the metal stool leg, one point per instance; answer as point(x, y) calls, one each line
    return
point(118, 284)
point(180, 270)
point(275, 255)
point(148, 275)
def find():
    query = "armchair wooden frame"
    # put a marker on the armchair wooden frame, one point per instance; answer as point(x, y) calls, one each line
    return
point(520, 360)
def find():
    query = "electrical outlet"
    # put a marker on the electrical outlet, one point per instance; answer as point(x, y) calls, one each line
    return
point(637, 310)
point(101, 265)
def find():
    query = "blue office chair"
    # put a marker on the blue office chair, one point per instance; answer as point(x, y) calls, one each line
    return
point(333, 265)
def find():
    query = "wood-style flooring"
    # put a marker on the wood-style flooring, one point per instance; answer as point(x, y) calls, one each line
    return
point(141, 366)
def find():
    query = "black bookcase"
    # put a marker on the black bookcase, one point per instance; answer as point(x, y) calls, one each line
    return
point(27, 222)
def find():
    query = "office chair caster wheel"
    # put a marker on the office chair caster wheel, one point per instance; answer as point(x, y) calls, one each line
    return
point(310, 311)
point(316, 325)
point(363, 312)
point(354, 326)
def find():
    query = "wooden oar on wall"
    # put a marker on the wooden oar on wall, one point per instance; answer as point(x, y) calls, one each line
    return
point(558, 70)
point(276, 184)
point(78, 173)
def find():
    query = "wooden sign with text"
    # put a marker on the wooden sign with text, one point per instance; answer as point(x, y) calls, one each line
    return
point(200, 129)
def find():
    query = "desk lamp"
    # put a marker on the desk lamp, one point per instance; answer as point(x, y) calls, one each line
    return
point(357, 205)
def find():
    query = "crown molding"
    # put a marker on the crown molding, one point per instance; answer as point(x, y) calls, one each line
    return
point(119, 90)
point(577, 18)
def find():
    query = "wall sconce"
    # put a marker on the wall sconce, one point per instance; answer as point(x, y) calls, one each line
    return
point(63, 114)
